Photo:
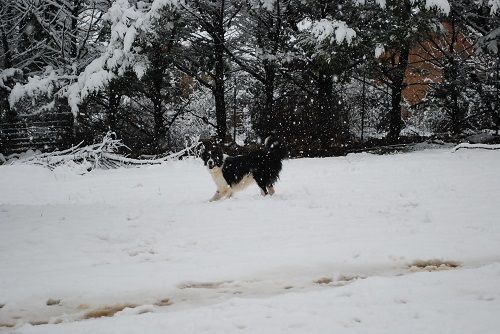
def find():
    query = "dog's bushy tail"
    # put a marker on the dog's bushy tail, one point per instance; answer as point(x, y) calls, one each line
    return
point(275, 147)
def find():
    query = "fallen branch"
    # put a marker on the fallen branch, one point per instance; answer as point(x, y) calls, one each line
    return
point(102, 155)
point(475, 146)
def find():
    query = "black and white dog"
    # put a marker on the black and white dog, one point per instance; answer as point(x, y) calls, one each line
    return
point(234, 173)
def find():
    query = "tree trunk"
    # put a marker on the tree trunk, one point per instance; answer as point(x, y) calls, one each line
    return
point(397, 88)
point(5, 109)
point(457, 113)
point(363, 97)
point(496, 115)
point(219, 79)
point(326, 114)
point(398, 84)
point(7, 59)
point(113, 104)
point(74, 28)
point(270, 119)
point(331, 129)
point(160, 129)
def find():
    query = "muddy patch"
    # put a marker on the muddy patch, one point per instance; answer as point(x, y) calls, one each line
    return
point(324, 280)
point(164, 302)
point(107, 311)
point(52, 302)
point(202, 285)
point(6, 325)
point(349, 278)
point(433, 265)
point(340, 281)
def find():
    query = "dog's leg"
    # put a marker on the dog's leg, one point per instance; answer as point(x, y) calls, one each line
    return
point(217, 196)
point(262, 186)
point(221, 193)
point(270, 190)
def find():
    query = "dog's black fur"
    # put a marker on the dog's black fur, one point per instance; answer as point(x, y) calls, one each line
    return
point(264, 165)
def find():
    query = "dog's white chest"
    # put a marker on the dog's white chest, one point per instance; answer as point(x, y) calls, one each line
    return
point(218, 178)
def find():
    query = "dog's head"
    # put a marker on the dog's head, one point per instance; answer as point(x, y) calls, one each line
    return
point(212, 155)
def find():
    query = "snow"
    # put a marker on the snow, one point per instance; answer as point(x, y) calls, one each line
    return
point(381, 3)
point(266, 4)
point(250, 264)
point(127, 21)
point(442, 5)
point(379, 50)
point(476, 146)
point(6, 74)
point(495, 5)
point(36, 85)
point(333, 31)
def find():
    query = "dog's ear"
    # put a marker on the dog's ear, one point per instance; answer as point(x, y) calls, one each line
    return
point(218, 149)
point(206, 144)
point(201, 145)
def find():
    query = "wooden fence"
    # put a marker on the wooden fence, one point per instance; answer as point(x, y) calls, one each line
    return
point(45, 133)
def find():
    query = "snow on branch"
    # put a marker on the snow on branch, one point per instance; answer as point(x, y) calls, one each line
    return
point(7, 74)
point(47, 85)
point(495, 5)
point(476, 146)
point(381, 3)
point(128, 21)
point(266, 4)
point(97, 156)
point(441, 5)
point(332, 31)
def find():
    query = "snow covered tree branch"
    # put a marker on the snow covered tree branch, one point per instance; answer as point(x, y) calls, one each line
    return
point(76, 83)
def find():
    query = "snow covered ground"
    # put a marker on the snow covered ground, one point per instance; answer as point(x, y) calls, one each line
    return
point(332, 251)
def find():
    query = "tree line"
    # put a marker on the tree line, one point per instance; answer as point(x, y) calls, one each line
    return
point(321, 74)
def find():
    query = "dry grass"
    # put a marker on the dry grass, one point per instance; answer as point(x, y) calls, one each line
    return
point(433, 265)
point(350, 278)
point(201, 285)
point(6, 325)
point(324, 280)
point(52, 302)
point(164, 302)
point(107, 311)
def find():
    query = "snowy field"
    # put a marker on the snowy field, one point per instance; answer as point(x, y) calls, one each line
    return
point(406, 243)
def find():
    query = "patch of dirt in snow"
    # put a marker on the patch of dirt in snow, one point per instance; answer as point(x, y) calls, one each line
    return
point(107, 311)
point(340, 281)
point(324, 280)
point(195, 293)
point(202, 285)
point(52, 302)
point(39, 322)
point(6, 325)
point(433, 265)
point(164, 302)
